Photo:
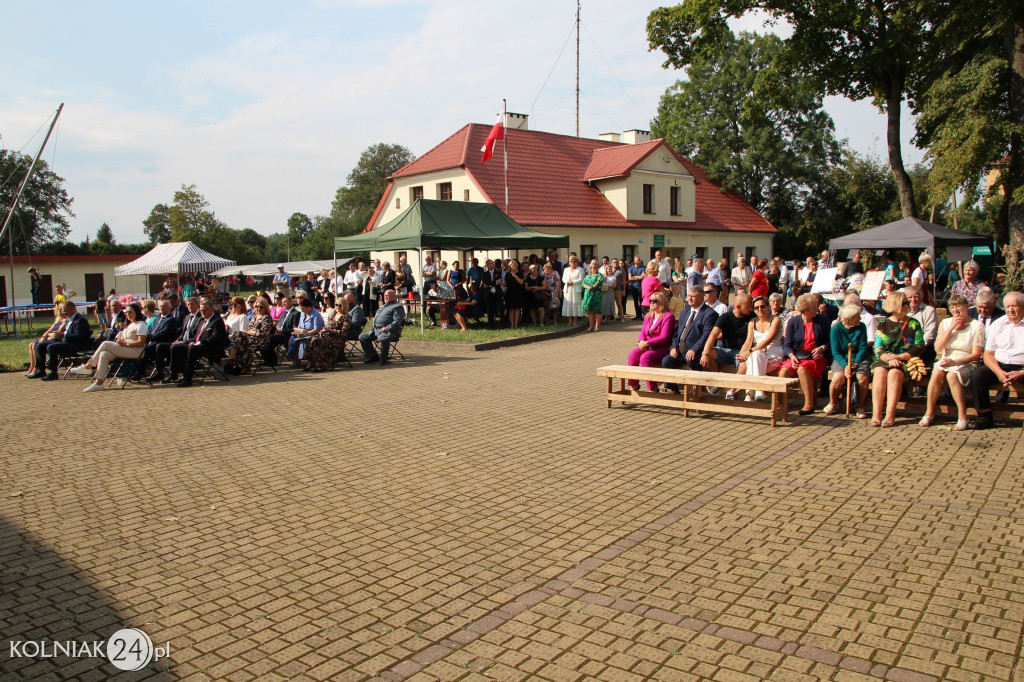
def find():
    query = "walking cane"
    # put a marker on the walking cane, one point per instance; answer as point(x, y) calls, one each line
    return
point(849, 379)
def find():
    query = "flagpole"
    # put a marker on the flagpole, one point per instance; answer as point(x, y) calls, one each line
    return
point(505, 148)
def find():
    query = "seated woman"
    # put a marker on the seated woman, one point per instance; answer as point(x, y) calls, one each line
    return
point(127, 345)
point(849, 331)
point(253, 338)
point(806, 345)
point(52, 333)
point(960, 343)
point(465, 304)
point(655, 338)
point(237, 320)
point(149, 311)
point(897, 339)
point(777, 303)
point(325, 347)
point(762, 352)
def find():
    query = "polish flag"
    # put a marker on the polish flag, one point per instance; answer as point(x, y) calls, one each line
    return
point(497, 133)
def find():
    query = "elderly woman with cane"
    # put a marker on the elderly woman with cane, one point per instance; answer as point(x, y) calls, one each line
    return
point(851, 356)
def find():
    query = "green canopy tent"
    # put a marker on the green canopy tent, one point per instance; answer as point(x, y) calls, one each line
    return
point(433, 224)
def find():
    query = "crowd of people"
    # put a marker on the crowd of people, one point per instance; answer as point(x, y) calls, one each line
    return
point(883, 353)
point(167, 338)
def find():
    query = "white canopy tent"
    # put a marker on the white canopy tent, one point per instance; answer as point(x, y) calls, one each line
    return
point(294, 268)
point(173, 257)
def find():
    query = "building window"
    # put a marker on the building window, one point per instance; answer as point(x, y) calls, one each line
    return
point(702, 252)
point(415, 193)
point(628, 252)
point(673, 200)
point(467, 259)
point(648, 198)
point(727, 254)
point(398, 202)
point(587, 254)
point(465, 195)
point(750, 254)
point(444, 191)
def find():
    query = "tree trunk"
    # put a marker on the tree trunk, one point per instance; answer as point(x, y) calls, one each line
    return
point(1015, 178)
point(893, 108)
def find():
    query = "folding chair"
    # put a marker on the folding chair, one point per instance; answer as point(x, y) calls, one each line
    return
point(124, 370)
point(259, 363)
point(66, 362)
point(205, 369)
point(392, 350)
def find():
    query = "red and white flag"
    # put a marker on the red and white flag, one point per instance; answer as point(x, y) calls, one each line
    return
point(497, 133)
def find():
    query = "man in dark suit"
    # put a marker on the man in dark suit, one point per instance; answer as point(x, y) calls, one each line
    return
point(285, 326)
point(491, 290)
point(386, 328)
point(179, 309)
point(355, 311)
point(692, 331)
point(984, 309)
point(76, 337)
point(189, 328)
point(210, 341)
point(166, 329)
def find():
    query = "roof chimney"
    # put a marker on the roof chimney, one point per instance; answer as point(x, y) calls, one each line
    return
point(517, 121)
point(610, 137)
point(636, 136)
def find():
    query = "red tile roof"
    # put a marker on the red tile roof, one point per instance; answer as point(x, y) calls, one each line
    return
point(547, 176)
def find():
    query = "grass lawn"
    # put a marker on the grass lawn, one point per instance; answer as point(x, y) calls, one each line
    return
point(14, 353)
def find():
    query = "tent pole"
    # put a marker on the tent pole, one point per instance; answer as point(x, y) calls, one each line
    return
point(423, 289)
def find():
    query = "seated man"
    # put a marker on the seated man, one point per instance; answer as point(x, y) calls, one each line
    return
point(310, 323)
point(692, 331)
point(870, 324)
point(730, 333)
point(984, 309)
point(285, 324)
point(355, 311)
point(116, 321)
point(1003, 361)
point(210, 341)
point(165, 329)
point(711, 297)
point(187, 334)
point(386, 328)
point(75, 337)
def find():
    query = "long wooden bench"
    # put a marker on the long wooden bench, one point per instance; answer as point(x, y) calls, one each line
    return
point(1013, 409)
point(691, 386)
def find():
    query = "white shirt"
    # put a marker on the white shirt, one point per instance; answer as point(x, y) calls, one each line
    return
point(783, 274)
point(352, 279)
point(869, 321)
point(236, 323)
point(929, 325)
point(719, 307)
point(665, 271)
point(1006, 340)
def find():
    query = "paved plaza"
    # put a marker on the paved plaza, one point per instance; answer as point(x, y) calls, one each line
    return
point(484, 516)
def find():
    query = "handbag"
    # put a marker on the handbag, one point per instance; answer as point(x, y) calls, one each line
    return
point(802, 355)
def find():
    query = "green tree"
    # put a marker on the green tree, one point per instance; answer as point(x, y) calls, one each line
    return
point(105, 235)
point(158, 225)
point(299, 227)
point(772, 143)
point(190, 218)
point(355, 203)
point(43, 211)
point(857, 49)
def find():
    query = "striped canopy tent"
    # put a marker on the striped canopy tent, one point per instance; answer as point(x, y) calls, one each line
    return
point(173, 257)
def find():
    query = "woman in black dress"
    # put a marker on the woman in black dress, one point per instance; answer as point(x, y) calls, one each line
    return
point(514, 293)
point(535, 295)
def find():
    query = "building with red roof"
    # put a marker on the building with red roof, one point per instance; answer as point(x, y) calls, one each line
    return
point(620, 195)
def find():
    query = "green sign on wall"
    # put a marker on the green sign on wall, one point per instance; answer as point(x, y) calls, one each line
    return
point(659, 240)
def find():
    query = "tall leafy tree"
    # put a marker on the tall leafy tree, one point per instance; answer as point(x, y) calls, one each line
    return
point(856, 49)
point(190, 218)
point(158, 225)
point(104, 235)
point(43, 212)
point(299, 227)
point(772, 142)
point(355, 202)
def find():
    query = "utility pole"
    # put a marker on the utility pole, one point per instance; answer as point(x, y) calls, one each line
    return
point(577, 68)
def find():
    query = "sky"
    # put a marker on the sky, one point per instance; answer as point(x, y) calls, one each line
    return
point(266, 106)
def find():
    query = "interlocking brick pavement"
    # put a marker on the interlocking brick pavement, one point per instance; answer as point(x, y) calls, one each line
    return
point(484, 516)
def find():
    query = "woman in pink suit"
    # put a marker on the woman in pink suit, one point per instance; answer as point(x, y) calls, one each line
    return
point(655, 338)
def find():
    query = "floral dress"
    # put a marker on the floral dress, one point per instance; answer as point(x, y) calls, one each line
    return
point(246, 344)
point(897, 337)
point(592, 298)
point(325, 347)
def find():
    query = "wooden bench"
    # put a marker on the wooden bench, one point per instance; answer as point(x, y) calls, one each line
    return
point(691, 385)
point(1013, 409)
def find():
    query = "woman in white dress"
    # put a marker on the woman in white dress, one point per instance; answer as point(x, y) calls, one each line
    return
point(960, 343)
point(128, 344)
point(762, 352)
point(572, 290)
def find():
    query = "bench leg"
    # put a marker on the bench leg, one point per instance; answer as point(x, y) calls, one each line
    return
point(775, 410)
point(608, 393)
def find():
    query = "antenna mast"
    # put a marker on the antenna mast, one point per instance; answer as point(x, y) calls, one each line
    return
point(577, 68)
